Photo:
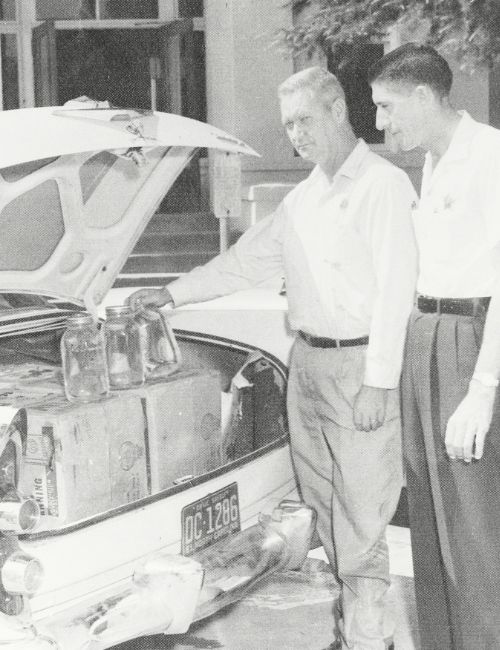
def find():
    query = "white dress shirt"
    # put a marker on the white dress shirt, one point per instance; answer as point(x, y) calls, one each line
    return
point(346, 248)
point(457, 223)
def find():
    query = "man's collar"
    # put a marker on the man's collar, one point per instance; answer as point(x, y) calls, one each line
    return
point(459, 146)
point(350, 167)
point(352, 163)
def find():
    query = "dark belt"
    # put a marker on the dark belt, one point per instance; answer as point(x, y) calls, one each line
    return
point(456, 306)
point(324, 342)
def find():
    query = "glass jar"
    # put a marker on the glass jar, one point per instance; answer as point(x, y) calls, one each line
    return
point(84, 359)
point(160, 351)
point(123, 348)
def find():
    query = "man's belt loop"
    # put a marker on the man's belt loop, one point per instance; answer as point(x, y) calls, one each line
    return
point(481, 306)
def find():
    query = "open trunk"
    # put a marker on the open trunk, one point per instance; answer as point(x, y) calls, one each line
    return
point(144, 511)
point(90, 562)
point(245, 417)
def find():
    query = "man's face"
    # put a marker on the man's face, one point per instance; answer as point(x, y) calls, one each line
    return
point(400, 113)
point(311, 127)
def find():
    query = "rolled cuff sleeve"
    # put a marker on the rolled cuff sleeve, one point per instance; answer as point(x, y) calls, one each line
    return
point(382, 375)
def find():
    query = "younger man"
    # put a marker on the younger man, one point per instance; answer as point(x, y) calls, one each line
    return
point(452, 364)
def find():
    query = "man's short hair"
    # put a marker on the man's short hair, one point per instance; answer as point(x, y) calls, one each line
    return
point(319, 81)
point(414, 64)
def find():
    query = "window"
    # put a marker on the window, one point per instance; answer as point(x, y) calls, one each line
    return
point(65, 9)
point(352, 74)
point(190, 8)
point(9, 72)
point(128, 8)
point(7, 9)
point(96, 9)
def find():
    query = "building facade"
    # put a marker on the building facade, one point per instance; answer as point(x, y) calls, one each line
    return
point(208, 59)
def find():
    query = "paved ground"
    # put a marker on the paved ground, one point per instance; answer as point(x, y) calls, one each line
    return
point(292, 611)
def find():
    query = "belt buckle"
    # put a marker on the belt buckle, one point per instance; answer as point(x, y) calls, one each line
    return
point(337, 344)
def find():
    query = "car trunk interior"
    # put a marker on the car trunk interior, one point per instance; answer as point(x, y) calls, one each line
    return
point(246, 415)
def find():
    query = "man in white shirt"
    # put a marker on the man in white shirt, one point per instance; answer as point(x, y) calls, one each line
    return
point(452, 361)
point(344, 241)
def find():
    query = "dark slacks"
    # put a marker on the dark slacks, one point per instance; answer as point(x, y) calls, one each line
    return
point(454, 506)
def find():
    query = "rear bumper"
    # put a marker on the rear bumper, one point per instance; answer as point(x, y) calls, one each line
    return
point(168, 592)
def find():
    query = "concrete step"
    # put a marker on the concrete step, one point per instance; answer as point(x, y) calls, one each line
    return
point(176, 243)
point(177, 262)
point(162, 242)
point(183, 222)
point(142, 280)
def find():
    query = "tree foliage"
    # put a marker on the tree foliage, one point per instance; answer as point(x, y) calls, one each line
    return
point(467, 29)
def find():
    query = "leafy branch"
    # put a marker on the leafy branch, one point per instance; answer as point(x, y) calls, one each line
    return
point(467, 29)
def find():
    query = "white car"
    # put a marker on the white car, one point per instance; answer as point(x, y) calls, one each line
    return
point(77, 188)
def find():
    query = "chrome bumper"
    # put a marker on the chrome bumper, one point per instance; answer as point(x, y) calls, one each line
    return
point(168, 592)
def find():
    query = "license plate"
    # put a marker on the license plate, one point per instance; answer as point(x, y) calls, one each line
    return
point(210, 519)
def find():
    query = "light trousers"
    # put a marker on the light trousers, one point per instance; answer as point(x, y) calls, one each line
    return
point(352, 478)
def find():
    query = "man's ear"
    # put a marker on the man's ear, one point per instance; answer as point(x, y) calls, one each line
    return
point(424, 94)
point(339, 109)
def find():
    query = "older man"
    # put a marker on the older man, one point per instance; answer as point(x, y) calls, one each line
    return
point(453, 353)
point(343, 239)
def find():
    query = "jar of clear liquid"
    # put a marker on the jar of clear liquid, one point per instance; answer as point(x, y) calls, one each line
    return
point(84, 359)
point(160, 351)
point(123, 348)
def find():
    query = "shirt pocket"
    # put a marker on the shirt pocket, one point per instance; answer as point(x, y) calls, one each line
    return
point(445, 228)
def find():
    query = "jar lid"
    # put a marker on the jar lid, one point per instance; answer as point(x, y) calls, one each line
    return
point(119, 310)
point(80, 318)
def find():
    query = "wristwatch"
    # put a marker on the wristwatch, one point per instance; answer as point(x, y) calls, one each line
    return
point(486, 379)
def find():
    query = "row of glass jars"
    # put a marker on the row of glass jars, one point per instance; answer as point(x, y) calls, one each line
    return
point(97, 359)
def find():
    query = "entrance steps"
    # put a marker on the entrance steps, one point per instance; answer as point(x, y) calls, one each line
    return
point(170, 245)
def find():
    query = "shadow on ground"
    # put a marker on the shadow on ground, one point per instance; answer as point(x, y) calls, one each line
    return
point(291, 611)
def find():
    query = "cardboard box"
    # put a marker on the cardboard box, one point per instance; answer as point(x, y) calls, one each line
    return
point(83, 459)
point(184, 426)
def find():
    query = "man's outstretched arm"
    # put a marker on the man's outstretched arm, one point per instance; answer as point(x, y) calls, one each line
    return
point(256, 257)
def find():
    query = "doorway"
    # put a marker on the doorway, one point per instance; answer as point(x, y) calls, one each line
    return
point(117, 65)
point(106, 64)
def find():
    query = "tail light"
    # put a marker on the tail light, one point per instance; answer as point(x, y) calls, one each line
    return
point(19, 516)
point(20, 575)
